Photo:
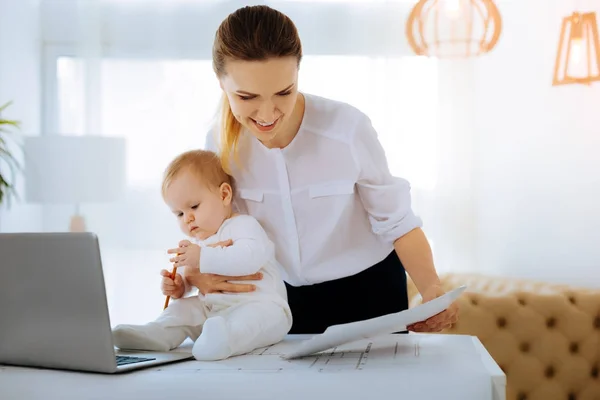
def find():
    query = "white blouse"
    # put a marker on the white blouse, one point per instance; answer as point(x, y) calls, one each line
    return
point(327, 200)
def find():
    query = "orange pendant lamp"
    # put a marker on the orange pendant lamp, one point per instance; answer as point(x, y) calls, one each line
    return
point(453, 28)
point(578, 55)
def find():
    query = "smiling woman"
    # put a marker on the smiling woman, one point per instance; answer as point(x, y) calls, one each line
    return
point(312, 171)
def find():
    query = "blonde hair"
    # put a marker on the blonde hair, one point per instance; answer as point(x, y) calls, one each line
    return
point(205, 164)
point(251, 33)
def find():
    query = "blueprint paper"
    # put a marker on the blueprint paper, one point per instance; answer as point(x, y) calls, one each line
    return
point(367, 355)
point(337, 335)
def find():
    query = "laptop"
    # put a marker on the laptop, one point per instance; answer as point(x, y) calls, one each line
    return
point(53, 307)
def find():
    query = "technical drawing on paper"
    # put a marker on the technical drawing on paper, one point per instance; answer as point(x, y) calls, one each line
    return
point(335, 359)
point(357, 356)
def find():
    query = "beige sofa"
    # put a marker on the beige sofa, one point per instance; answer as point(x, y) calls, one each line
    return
point(545, 337)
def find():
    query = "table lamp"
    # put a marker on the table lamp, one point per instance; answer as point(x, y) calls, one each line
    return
point(74, 170)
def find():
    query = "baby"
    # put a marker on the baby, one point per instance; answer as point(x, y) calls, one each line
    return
point(224, 324)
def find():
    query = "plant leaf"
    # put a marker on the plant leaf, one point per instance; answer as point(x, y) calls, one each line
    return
point(3, 107)
point(8, 131)
point(6, 189)
point(8, 157)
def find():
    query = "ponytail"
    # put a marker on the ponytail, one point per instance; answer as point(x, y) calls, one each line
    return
point(229, 135)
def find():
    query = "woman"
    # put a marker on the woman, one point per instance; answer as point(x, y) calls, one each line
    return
point(313, 172)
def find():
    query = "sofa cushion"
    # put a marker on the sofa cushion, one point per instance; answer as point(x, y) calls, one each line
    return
point(545, 337)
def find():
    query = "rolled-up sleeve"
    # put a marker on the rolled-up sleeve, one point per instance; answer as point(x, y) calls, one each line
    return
point(387, 199)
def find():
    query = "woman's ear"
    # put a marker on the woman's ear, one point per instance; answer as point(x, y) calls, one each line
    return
point(226, 193)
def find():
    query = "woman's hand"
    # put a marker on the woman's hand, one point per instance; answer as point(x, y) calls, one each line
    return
point(440, 321)
point(211, 283)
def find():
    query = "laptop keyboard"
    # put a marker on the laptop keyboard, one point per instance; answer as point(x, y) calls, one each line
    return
point(124, 360)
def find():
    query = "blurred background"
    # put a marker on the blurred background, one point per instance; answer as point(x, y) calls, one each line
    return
point(504, 166)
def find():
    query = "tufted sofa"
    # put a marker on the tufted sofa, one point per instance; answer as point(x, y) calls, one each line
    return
point(545, 337)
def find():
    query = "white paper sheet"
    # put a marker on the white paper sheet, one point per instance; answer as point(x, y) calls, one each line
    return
point(376, 353)
point(337, 335)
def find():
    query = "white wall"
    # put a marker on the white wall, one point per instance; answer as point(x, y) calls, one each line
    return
point(539, 181)
point(20, 82)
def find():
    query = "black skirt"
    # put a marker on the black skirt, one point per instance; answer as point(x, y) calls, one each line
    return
point(378, 290)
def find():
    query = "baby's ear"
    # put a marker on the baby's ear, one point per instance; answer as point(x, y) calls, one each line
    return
point(226, 193)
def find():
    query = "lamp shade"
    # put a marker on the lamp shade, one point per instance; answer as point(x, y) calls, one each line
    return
point(578, 54)
point(453, 28)
point(74, 169)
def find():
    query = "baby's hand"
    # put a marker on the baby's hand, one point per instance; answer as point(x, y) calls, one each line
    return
point(187, 255)
point(171, 287)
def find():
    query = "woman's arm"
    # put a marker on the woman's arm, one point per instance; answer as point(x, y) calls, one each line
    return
point(387, 200)
point(415, 253)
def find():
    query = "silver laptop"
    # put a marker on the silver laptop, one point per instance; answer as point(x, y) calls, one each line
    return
point(53, 308)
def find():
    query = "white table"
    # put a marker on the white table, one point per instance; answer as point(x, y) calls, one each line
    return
point(414, 366)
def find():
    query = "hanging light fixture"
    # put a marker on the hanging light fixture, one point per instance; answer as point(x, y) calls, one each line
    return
point(453, 28)
point(578, 55)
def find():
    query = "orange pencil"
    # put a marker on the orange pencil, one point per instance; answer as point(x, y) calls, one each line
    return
point(173, 273)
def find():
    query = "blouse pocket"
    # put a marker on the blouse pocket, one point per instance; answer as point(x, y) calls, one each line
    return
point(251, 194)
point(331, 189)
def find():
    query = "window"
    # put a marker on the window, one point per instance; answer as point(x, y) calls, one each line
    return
point(164, 107)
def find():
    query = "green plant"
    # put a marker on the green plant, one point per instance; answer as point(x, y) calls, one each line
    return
point(7, 158)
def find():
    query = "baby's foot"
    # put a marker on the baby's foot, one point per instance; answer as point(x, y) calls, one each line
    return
point(213, 343)
point(147, 337)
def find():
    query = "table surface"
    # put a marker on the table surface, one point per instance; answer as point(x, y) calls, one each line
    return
point(424, 366)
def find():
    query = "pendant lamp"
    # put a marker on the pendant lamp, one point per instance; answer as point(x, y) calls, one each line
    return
point(578, 55)
point(453, 28)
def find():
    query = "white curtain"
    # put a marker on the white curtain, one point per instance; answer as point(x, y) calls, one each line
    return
point(142, 70)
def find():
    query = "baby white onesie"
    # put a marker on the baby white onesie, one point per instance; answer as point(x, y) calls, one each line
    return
point(222, 324)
